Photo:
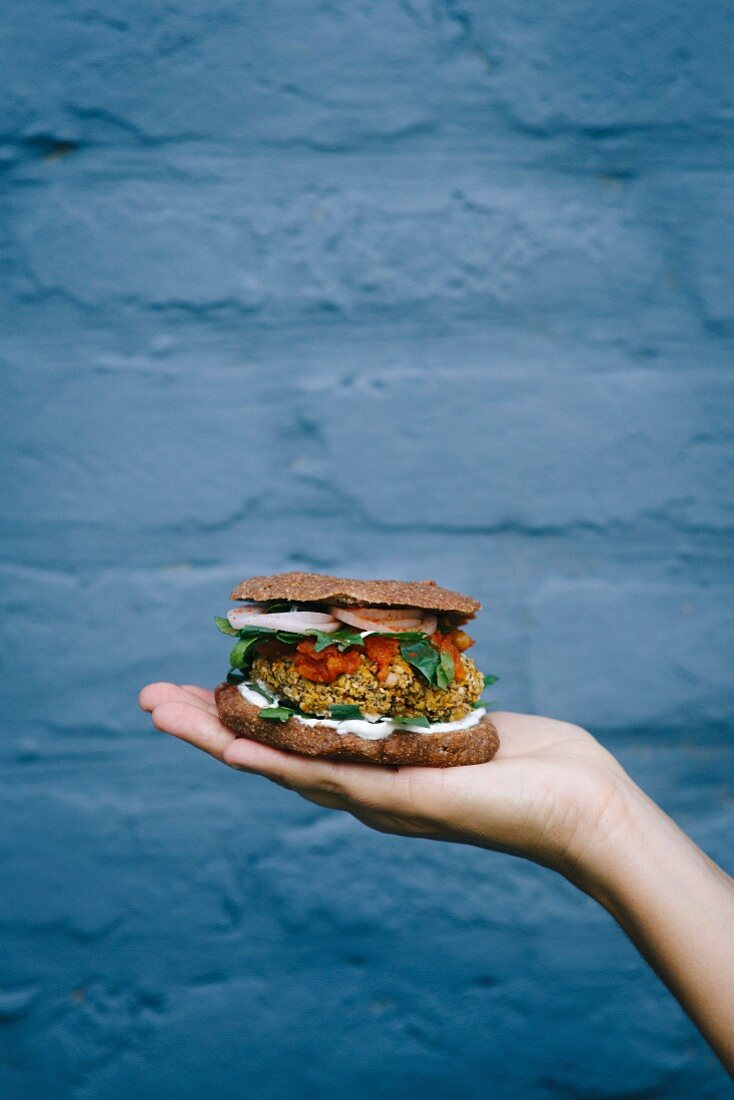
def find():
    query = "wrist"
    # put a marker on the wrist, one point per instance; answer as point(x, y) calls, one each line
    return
point(638, 860)
point(608, 854)
point(675, 904)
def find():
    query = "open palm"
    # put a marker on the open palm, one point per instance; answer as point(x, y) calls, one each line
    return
point(550, 794)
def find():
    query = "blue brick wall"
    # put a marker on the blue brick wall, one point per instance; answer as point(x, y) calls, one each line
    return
point(391, 288)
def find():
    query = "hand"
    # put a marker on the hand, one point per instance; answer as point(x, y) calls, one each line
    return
point(552, 793)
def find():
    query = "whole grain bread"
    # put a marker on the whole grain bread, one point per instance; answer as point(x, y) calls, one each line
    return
point(350, 592)
point(431, 750)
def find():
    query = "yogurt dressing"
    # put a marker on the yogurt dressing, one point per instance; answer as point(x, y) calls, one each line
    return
point(370, 728)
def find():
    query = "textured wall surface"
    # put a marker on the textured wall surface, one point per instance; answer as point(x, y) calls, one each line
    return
point(392, 287)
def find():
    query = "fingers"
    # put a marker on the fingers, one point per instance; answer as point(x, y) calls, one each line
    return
point(150, 694)
point(192, 721)
point(347, 784)
point(203, 693)
point(189, 713)
point(328, 801)
point(154, 695)
point(285, 768)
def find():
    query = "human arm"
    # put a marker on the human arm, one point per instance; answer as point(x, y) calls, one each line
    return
point(553, 795)
point(677, 906)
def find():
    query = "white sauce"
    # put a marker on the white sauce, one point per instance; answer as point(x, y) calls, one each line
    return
point(373, 728)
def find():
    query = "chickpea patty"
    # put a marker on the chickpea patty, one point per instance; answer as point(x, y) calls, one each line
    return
point(380, 683)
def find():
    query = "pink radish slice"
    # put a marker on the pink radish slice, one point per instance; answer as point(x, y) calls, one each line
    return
point(242, 616)
point(392, 614)
point(296, 622)
point(255, 611)
point(384, 626)
point(430, 622)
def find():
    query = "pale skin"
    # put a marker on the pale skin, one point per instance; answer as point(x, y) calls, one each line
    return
point(552, 795)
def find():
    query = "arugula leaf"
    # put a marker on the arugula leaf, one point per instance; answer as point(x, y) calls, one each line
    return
point(263, 632)
point(342, 711)
point(418, 720)
point(322, 640)
point(446, 671)
point(488, 681)
point(261, 691)
point(341, 638)
point(422, 656)
point(238, 656)
point(278, 714)
point(224, 626)
point(346, 637)
point(234, 676)
point(436, 665)
point(403, 635)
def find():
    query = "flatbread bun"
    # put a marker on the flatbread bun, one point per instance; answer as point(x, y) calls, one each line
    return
point(349, 592)
point(430, 750)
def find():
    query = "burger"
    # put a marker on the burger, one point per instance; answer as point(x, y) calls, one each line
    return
point(362, 670)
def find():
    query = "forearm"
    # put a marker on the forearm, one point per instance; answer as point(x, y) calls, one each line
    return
point(678, 908)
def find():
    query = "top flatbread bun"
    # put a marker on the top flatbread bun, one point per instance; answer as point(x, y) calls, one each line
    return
point(348, 592)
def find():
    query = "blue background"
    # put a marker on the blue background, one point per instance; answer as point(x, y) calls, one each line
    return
point(392, 288)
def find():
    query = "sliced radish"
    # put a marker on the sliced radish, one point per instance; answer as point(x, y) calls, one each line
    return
point(380, 614)
point(383, 626)
point(430, 622)
point(304, 616)
point(296, 622)
point(252, 608)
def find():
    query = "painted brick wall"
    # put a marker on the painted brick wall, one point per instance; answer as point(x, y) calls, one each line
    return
point(389, 287)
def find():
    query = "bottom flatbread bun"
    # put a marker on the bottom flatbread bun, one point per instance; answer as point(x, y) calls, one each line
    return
point(475, 745)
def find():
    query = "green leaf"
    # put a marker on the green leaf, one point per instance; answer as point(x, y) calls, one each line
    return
point(445, 672)
point(404, 635)
point(238, 658)
point(322, 640)
point(224, 626)
point(422, 656)
point(344, 711)
point(261, 691)
point(277, 714)
point(345, 638)
point(262, 632)
point(418, 720)
point(267, 632)
point(341, 638)
point(234, 676)
point(489, 680)
point(436, 665)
